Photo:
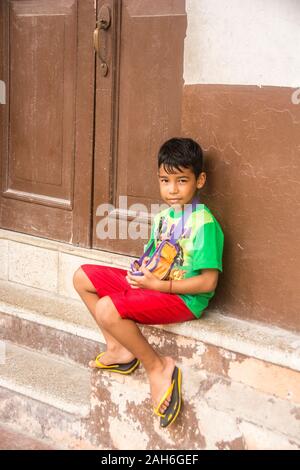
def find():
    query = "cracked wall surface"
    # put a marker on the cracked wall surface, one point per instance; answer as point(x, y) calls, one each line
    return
point(251, 139)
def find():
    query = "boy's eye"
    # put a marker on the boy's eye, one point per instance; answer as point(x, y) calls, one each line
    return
point(166, 181)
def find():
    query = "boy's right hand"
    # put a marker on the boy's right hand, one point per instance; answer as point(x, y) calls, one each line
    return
point(138, 267)
point(146, 281)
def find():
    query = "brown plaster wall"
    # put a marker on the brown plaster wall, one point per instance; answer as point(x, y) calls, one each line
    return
point(251, 138)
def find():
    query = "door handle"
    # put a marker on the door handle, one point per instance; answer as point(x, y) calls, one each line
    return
point(102, 24)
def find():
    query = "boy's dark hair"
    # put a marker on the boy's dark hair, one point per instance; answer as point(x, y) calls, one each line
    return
point(181, 152)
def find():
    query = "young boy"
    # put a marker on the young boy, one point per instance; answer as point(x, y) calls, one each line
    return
point(118, 299)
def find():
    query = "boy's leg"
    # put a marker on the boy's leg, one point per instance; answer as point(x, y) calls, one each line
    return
point(115, 351)
point(126, 332)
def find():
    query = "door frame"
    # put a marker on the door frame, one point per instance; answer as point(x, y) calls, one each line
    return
point(106, 117)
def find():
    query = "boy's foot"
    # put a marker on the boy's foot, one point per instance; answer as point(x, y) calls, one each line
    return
point(160, 380)
point(173, 410)
point(109, 358)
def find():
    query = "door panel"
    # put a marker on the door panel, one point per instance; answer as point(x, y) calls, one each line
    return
point(47, 63)
point(148, 92)
point(41, 131)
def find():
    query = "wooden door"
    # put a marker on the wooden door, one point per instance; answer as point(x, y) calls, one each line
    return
point(47, 62)
point(138, 106)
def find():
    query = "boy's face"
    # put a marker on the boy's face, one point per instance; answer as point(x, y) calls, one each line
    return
point(179, 187)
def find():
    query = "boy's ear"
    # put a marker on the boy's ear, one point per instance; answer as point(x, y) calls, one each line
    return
point(201, 180)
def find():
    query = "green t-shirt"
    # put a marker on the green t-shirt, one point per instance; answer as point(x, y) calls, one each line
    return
point(201, 248)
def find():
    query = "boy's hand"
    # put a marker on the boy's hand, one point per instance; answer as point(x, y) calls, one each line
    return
point(147, 281)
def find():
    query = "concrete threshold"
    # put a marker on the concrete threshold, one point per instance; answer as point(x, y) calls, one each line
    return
point(267, 343)
point(270, 344)
point(46, 379)
point(10, 439)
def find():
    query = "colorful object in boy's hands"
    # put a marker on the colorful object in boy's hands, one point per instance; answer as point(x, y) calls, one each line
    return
point(160, 263)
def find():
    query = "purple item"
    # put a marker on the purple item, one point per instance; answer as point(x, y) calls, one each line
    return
point(177, 233)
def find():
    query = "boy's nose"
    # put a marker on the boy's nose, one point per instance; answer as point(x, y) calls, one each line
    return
point(173, 190)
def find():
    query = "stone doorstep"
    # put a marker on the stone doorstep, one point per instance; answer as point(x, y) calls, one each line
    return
point(217, 413)
point(53, 402)
point(46, 379)
point(272, 345)
point(10, 439)
point(65, 328)
point(239, 361)
point(78, 345)
point(44, 397)
point(38, 420)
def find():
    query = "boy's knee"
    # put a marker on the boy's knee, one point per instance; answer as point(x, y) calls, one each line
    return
point(78, 279)
point(106, 312)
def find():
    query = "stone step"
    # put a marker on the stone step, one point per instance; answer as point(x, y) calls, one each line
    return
point(64, 326)
point(47, 379)
point(241, 380)
point(46, 322)
point(44, 397)
point(217, 414)
point(239, 351)
point(62, 331)
point(47, 398)
point(13, 440)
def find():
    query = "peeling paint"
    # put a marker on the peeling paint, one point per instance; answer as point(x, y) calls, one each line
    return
point(236, 444)
point(183, 342)
point(268, 378)
point(258, 438)
point(127, 436)
point(212, 424)
point(201, 348)
point(155, 340)
point(227, 354)
point(296, 412)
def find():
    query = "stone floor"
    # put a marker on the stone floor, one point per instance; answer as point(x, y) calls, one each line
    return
point(11, 440)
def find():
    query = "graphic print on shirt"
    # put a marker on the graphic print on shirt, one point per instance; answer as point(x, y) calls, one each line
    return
point(162, 233)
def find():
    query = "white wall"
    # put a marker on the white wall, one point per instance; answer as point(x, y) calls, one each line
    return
point(247, 42)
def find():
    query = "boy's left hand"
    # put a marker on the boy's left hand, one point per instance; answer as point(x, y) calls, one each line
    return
point(147, 281)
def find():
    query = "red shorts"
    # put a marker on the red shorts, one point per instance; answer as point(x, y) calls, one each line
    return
point(144, 306)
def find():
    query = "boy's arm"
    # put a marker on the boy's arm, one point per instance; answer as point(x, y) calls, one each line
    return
point(206, 282)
